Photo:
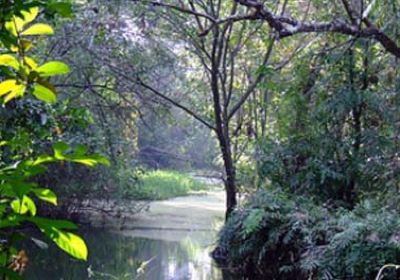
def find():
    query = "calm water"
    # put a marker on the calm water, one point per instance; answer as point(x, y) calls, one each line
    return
point(170, 241)
point(115, 256)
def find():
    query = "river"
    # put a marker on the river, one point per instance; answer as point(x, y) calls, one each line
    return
point(172, 240)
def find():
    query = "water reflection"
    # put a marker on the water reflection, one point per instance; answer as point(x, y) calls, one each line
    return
point(114, 256)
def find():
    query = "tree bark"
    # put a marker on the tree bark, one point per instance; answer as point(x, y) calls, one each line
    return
point(222, 128)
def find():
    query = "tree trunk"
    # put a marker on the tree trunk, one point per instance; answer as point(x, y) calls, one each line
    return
point(222, 126)
point(230, 173)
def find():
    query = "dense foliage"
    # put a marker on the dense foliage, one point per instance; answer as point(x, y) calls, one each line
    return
point(295, 103)
point(325, 167)
point(280, 236)
point(24, 82)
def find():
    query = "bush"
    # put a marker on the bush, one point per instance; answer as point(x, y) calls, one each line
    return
point(276, 236)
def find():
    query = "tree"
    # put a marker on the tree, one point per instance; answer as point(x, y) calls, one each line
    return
point(222, 48)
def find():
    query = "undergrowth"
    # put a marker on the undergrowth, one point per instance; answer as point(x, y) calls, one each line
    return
point(280, 236)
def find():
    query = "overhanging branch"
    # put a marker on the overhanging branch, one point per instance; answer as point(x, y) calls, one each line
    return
point(287, 26)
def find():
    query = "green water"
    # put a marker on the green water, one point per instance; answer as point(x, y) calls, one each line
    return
point(115, 256)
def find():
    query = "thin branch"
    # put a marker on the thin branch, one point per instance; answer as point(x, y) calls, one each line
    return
point(179, 9)
point(176, 104)
point(251, 88)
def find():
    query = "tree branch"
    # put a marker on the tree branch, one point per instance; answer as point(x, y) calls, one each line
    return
point(288, 26)
point(176, 104)
point(251, 88)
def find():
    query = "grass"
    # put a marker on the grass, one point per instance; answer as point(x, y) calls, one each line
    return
point(164, 184)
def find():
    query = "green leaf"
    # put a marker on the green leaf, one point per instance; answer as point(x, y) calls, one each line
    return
point(48, 223)
point(30, 62)
point(59, 149)
point(21, 188)
point(23, 206)
point(32, 169)
point(91, 160)
point(7, 86)
point(43, 159)
point(17, 92)
point(9, 60)
point(69, 242)
point(30, 15)
point(10, 221)
point(38, 29)
point(16, 24)
point(53, 68)
point(44, 94)
point(12, 89)
point(80, 150)
point(46, 195)
point(62, 8)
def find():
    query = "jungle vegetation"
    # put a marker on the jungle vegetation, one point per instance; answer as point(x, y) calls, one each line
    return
point(295, 104)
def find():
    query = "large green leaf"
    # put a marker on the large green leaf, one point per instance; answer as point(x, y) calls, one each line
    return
point(53, 68)
point(46, 195)
point(69, 242)
point(44, 94)
point(38, 29)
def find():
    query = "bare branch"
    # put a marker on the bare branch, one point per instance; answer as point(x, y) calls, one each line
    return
point(179, 9)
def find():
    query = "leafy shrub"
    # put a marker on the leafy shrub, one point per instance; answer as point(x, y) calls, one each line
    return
point(22, 76)
point(276, 236)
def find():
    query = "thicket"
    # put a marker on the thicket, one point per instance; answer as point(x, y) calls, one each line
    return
point(327, 175)
point(281, 236)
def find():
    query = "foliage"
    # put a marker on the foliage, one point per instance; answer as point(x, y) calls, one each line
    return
point(22, 76)
point(334, 135)
point(277, 236)
point(163, 184)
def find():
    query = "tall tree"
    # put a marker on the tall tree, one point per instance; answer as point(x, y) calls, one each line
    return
point(234, 57)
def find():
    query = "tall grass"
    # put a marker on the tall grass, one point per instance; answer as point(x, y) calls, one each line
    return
point(164, 184)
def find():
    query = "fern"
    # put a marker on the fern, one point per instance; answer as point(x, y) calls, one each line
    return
point(292, 238)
